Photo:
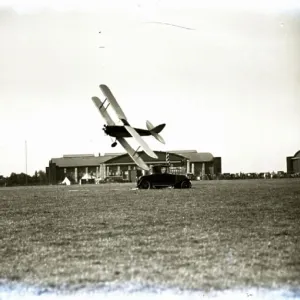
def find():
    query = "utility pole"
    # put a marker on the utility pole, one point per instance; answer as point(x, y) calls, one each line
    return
point(26, 160)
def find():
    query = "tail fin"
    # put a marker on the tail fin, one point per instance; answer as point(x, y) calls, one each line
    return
point(156, 130)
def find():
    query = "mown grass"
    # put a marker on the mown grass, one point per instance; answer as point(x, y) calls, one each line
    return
point(217, 235)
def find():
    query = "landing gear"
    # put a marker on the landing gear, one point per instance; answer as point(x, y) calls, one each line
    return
point(114, 144)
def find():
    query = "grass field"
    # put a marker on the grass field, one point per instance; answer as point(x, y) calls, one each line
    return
point(218, 235)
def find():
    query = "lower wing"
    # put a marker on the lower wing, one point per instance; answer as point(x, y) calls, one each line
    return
point(133, 154)
point(141, 142)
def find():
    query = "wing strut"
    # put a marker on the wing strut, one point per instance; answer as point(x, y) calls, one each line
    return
point(103, 111)
point(136, 150)
point(141, 142)
point(103, 104)
point(133, 154)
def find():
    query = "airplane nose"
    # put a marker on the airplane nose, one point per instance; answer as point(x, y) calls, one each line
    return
point(104, 129)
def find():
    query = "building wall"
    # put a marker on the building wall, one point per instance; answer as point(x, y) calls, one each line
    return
point(197, 168)
point(217, 165)
point(69, 172)
point(123, 165)
point(296, 166)
point(293, 163)
point(125, 170)
point(54, 173)
point(289, 165)
point(57, 174)
point(51, 173)
point(208, 168)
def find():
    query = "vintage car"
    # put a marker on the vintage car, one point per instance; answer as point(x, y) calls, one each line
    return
point(161, 178)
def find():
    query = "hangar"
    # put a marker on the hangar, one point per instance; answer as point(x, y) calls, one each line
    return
point(121, 164)
point(293, 163)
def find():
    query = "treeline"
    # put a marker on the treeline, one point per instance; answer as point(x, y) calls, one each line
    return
point(39, 178)
point(266, 175)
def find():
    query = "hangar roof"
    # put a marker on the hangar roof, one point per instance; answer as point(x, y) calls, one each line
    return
point(80, 161)
point(86, 160)
point(195, 156)
point(125, 158)
point(297, 155)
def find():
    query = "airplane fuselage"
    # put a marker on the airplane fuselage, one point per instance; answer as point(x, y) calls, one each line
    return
point(120, 131)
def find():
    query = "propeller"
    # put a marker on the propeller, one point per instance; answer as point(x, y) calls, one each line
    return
point(104, 129)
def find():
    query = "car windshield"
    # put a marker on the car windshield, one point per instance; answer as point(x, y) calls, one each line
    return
point(163, 170)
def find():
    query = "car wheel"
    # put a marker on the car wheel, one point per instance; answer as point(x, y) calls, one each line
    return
point(185, 184)
point(145, 184)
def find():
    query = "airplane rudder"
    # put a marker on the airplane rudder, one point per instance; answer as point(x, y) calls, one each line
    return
point(149, 125)
point(159, 138)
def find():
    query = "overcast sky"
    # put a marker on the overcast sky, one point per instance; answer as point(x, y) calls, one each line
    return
point(229, 84)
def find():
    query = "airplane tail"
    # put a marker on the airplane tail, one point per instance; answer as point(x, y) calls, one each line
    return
point(156, 130)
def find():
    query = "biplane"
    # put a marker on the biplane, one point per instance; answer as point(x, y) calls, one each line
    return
point(120, 132)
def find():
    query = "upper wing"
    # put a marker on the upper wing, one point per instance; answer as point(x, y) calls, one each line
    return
point(103, 111)
point(133, 154)
point(112, 100)
point(139, 139)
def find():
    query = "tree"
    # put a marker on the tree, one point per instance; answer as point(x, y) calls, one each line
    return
point(14, 179)
point(42, 177)
point(2, 180)
point(18, 179)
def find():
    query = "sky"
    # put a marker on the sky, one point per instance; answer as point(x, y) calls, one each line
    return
point(226, 82)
